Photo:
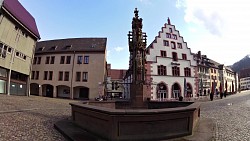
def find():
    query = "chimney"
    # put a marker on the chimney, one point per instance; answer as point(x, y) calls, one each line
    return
point(199, 54)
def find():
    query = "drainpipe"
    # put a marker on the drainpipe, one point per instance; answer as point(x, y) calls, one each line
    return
point(31, 63)
point(12, 60)
point(72, 70)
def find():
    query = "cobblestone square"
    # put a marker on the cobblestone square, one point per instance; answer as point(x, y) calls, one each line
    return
point(231, 116)
point(31, 118)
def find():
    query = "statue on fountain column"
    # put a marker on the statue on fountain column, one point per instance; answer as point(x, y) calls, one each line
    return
point(137, 45)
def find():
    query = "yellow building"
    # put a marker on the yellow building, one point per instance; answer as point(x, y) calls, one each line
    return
point(69, 68)
point(214, 79)
point(18, 37)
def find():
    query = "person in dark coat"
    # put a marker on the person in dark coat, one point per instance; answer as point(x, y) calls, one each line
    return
point(211, 96)
point(225, 93)
point(221, 95)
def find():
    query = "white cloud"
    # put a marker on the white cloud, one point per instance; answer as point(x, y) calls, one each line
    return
point(118, 49)
point(147, 2)
point(192, 29)
point(223, 27)
point(108, 53)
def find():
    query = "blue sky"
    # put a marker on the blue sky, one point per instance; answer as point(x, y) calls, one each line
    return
point(219, 31)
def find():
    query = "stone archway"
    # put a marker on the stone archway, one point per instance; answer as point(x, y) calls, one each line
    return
point(63, 91)
point(162, 91)
point(176, 90)
point(81, 92)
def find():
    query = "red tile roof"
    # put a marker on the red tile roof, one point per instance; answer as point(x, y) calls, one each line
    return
point(117, 74)
point(22, 15)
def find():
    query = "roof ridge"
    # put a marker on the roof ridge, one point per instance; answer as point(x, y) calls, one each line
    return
point(74, 38)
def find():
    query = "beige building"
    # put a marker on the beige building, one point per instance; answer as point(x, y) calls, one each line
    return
point(215, 77)
point(18, 37)
point(69, 68)
point(229, 79)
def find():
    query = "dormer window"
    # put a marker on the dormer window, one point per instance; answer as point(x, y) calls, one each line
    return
point(68, 47)
point(53, 48)
point(41, 48)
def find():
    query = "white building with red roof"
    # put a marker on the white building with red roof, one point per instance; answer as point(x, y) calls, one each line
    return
point(171, 68)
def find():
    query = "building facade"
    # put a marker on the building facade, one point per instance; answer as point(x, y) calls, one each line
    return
point(115, 82)
point(229, 79)
point(215, 83)
point(215, 77)
point(18, 37)
point(203, 74)
point(69, 68)
point(244, 76)
point(171, 67)
point(245, 83)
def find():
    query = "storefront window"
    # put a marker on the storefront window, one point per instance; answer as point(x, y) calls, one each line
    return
point(3, 72)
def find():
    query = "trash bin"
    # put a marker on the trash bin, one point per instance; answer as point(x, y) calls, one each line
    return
point(180, 98)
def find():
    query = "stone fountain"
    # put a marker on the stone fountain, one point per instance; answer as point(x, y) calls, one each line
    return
point(137, 118)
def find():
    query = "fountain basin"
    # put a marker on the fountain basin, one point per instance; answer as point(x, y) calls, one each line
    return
point(155, 123)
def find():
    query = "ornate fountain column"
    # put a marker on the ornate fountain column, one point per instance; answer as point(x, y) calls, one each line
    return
point(137, 48)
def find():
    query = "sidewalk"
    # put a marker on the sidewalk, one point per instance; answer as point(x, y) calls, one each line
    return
point(204, 131)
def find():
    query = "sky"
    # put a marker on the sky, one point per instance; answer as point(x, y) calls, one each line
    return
point(217, 28)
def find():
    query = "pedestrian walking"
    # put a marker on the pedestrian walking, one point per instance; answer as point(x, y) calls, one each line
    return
point(217, 93)
point(211, 96)
point(225, 93)
point(221, 95)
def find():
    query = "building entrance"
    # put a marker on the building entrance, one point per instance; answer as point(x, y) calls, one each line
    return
point(84, 93)
point(162, 91)
point(49, 91)
point(176, 90)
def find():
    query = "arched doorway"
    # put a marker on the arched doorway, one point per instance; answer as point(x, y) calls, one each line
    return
point(81, 92)
point(176, 90)
point(189, 90)
point(63, 91)
point(34, 89)
point(48, 90)
point(162, 92)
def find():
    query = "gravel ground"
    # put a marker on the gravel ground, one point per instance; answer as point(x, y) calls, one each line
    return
point(32, 118)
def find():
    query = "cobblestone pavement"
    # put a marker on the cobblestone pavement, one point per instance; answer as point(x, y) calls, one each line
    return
point(31, 118)
point(231, 116)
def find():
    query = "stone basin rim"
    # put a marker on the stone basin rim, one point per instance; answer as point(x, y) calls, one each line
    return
point(191, 107)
